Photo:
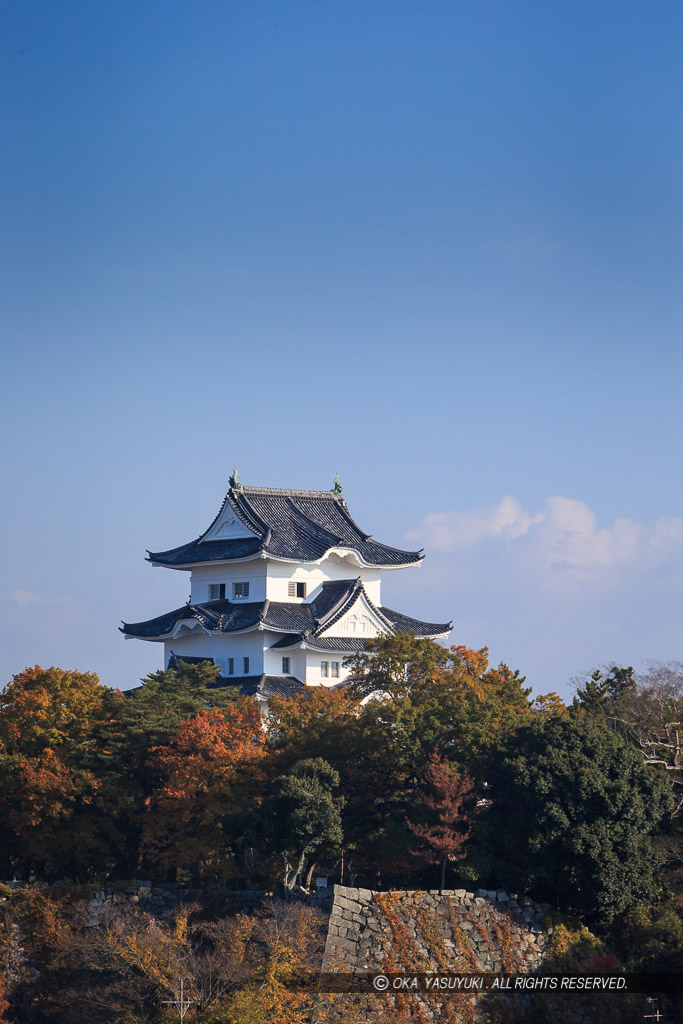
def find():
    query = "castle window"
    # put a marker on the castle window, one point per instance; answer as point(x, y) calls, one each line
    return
point(334, 669)
point(245, 662)
point(296, 589)
point(240, 590)
point(231, 666)
point(216, 591)
point(285, 666)
point(324, 669)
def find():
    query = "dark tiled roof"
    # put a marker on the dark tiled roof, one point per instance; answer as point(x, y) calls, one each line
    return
point(300, 526)
point(187, 659)
point(263, 686)
point(215, 616)
point(305, 619)
point(228, 616)
point(345, 644)
point(292, 618)
point(406, 624)
point(207, 551)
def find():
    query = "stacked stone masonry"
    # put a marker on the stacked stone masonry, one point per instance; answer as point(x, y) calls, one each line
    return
point(450, 930)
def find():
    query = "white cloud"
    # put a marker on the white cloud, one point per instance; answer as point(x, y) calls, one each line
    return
point(568, 534)
point(563, 534)
point(447, 531)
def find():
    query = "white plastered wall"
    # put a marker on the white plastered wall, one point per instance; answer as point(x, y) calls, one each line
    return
point(220, 648)
point(314, 676)
point(331, 568)
point(252, 572)
point(272, 659)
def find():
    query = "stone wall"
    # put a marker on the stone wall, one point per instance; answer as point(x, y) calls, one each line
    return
point(454, 930)
point(451, 930)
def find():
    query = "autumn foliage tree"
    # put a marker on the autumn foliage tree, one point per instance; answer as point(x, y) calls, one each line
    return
point(449, 797)
point(201, 774)
point(51, 723)
point(149, 717)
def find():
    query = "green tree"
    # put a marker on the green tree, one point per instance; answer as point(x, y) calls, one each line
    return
point(426, 698)
point(394, 664)
point(647, 710)
point(304, 812)
point(572, 810)
point(605, 695)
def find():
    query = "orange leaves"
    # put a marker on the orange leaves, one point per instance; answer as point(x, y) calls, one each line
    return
point(475, 662)
point(49, 721)
point(207, 752)
point(199, 772)
point(49, 708)
point(45, 788)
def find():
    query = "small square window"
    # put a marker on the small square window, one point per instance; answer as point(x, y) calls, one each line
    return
point(216, 591)
point(334, 669)
point(246, 665)
point(231, 666)
point(240, 590)
point(285, 666)
point(324, 669)
point(295, 589)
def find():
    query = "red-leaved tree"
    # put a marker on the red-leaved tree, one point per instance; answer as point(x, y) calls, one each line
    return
point(201, 773)
point(449, 796)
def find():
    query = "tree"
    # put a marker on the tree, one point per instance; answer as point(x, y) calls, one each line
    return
point(605, 695)
point(50, 709)
point(394, 664)
point(572, 811)
point(149, 718)
point(51, 725)
point(647, 710)
point(305, 816)
point(201, 774)
point(549, 704)
point(430, 698)
point(461, 703)
point(452, 791)
point(653, 721)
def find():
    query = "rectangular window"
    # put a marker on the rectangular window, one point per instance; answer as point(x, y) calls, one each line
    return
point(285, 666)
point(216, 591)
point(231, 666)
point(246, 666)
point(296, 589)
point(334, 669)
point(240, 590)
point(324, 669)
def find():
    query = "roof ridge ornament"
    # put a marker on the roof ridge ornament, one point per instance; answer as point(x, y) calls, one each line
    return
point(336, 486)
point(234, 481)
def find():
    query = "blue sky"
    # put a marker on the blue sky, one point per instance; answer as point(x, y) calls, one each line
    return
point(435, 248)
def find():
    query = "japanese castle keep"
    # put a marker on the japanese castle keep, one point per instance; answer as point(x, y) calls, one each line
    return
point(284, 585)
